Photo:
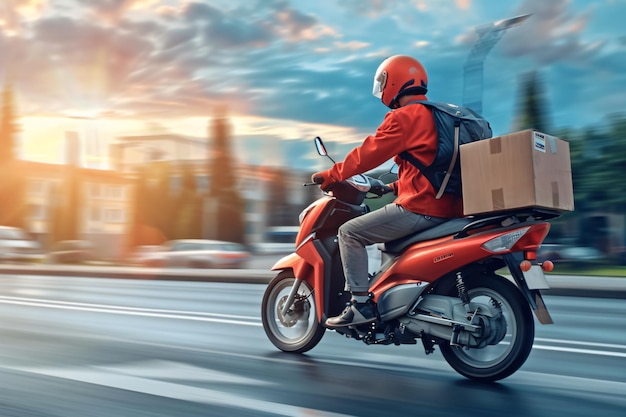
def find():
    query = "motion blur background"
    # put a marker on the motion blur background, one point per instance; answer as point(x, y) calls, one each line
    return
point(127, 123)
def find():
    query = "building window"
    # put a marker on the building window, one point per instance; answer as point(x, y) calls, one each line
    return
point(202, 183)
point(94, 214)
point(250, 206)
point(94, 190)
point(114, 215)
point(36, 187)
point(115, 192)
point(175, 184)
point(37, 212)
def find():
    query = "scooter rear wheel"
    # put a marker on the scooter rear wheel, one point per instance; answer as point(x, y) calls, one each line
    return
point(297, 331)
point(495, 362)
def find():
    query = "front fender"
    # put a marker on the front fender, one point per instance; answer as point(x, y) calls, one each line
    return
point(311, 270)
point(287, 262)
point(301, 268)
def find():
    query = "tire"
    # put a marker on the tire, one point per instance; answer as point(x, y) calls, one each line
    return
point(495, 362)
point(298, 333)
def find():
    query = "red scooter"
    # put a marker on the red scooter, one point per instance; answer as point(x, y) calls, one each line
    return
point(442, 286)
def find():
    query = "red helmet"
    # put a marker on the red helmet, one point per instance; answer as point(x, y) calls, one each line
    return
point(398, 76)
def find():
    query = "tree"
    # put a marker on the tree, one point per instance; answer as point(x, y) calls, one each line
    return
point(161, 207)
point(615, 151)
point(144, 230)
point(226, 207)
point(532, 108)
point(12, 183)
point(188, 210)
point(8, 127)
point(598, 161)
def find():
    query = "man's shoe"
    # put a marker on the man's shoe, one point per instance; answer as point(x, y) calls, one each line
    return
point(354, 314)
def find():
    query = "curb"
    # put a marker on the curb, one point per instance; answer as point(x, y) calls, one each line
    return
point(560, 285)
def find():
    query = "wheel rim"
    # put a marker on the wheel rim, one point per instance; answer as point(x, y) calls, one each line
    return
point(490, 355)
point(300, 323)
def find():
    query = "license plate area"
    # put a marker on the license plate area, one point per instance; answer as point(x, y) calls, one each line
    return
point(536, 279)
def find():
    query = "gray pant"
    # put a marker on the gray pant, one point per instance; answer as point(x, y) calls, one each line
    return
point(388, 223)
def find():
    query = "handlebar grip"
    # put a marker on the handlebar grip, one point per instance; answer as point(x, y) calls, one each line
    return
point(318, 180)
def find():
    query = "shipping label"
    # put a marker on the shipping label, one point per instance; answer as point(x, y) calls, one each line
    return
point(539, 143)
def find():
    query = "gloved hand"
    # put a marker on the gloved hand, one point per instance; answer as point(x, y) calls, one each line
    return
point(385, 190)
point(324, 179)
point(381, 189)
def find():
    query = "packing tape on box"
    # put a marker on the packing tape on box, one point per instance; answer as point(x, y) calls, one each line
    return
point(552, 142)
point(555, 194)
point(495, 145)
point(497, 199)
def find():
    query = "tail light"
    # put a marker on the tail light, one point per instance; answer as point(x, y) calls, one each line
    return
point(505, 242)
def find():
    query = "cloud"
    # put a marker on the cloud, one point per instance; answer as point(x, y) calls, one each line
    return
point(13, 12)
point(308, 64)
point(553, 33)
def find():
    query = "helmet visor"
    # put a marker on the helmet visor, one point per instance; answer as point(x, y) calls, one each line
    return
point(380, 80)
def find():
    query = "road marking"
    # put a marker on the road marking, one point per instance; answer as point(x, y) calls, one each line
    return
point(256, 322)
point(583, 351)
point(132, 311)
point(570, 342)
point(123, 378)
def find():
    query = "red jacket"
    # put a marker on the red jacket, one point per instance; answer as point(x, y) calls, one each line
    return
point(411, 128)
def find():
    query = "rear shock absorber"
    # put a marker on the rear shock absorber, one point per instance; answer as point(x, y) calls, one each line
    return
point(460, 286)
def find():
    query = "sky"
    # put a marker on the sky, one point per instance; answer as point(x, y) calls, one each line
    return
point(287, 71)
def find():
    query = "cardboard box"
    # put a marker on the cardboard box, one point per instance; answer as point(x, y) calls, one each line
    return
point(521, 169)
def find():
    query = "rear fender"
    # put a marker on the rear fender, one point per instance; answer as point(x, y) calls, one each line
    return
point(532, 296)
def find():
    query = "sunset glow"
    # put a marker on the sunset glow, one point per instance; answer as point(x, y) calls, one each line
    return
point(286, 71)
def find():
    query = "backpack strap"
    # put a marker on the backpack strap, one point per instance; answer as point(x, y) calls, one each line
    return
point(429, 174)
point(423, 168)
point(455, 154)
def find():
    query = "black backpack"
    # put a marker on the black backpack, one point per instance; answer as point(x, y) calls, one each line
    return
point(456, 125)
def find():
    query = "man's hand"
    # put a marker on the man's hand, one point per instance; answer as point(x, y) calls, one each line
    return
point(324, 179)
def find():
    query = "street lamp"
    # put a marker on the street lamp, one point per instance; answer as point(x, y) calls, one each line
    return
point(488, 36)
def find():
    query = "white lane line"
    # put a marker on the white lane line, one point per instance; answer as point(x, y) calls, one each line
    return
point(117, 307)
point(184, 315)
point(175, 391)
point(583, 351)
point(255, 321)
point(571, 342)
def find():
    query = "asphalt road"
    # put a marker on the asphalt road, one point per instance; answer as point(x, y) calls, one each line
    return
point(107, 347)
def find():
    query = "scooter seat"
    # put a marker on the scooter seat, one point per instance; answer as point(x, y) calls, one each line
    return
point(444, 229)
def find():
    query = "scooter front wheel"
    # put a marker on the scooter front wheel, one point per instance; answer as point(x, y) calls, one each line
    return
point(297, 330)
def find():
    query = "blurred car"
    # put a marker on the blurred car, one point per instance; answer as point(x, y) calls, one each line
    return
point(17, 246)
point(581, 254)
point(198, 253)
point(568, 254)
point(550, 252)
point(71, 252)
point(146, 255)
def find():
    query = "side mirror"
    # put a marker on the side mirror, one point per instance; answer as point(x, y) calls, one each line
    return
point(321, 149)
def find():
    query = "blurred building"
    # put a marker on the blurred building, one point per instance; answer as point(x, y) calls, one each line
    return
point(130, 151)
point(106, 204)
point(273, 196)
